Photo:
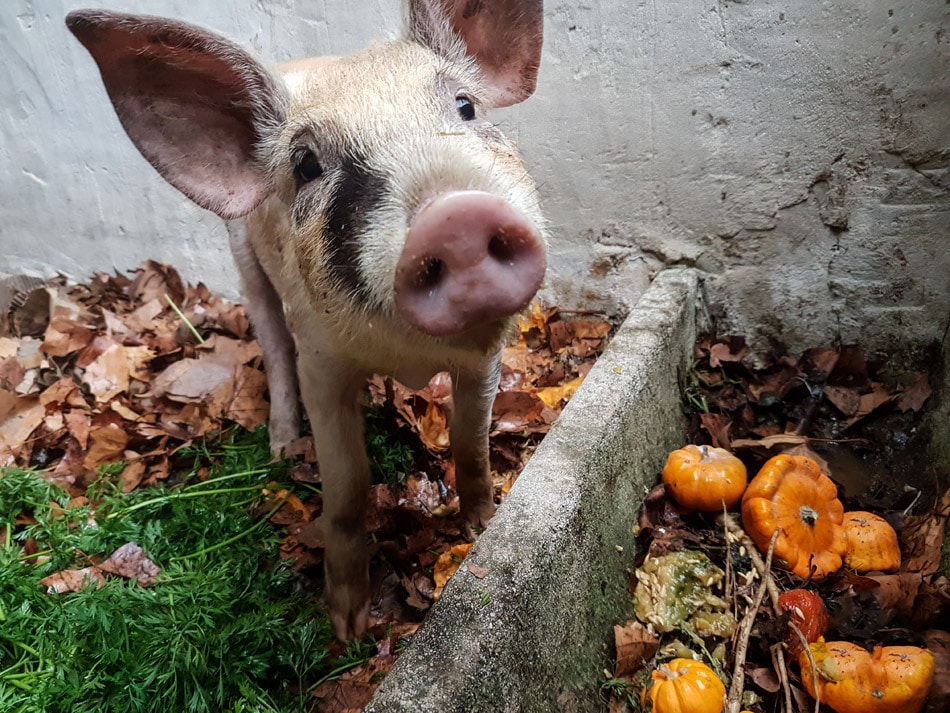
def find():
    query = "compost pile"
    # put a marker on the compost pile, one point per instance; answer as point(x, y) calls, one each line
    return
point(822, 577)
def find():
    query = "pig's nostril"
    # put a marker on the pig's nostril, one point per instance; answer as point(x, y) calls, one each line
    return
point(501, 248)
point(431, 274)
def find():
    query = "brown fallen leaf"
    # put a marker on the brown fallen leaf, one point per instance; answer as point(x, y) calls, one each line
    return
point(720, 354)
point(351, 692)
point(132, 475)
point(921, 539)
point(107, 440)
point(718, 429)
point(915, 395)
point(477, 572)
point(635, 646)
point(552, 396)
point(938, 643)
point(433, 428)
point(19, 417)
point(72, 580)
point(764, 678)
point(131, 562)
point(845, 399)
point(108, 375)
point(447, 565)
point(868, 403)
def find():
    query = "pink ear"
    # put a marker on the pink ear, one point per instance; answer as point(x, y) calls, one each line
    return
point(195, 104)
point(503, 36)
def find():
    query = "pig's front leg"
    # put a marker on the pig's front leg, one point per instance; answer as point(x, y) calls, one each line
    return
point(474, 394)
point(266, 312)
point(330, 392)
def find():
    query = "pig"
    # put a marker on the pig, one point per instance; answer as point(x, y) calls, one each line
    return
point(379, 222)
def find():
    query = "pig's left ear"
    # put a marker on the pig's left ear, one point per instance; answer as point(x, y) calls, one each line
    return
point(195, 104)
point(503, 36)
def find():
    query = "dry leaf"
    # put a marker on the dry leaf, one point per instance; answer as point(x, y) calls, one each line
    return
point(433, 428)
point(553, 395)
point(131, 562)
point(447, 565)
point(72, 580)
point(915, 395)
point(635, 646)
point(921, 539)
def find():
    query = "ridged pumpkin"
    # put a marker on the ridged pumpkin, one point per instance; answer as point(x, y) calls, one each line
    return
point(684, 686)
point(872, 543)
point(891, 679)
point(791, 494)
point(703, 478)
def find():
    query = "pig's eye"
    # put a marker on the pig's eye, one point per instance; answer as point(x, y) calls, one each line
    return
point(465, 108)
point(306, 167)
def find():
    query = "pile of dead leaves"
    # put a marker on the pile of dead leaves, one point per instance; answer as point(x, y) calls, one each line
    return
point(110, 371)
point(861, 424)
point(127, 372)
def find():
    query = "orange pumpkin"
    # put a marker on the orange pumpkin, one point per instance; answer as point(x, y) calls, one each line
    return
point(791, 494)
point(684, 686)
point(703, 478)
point(872, 543)
point(891, 679)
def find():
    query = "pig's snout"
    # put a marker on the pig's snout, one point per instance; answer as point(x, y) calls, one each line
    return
point(470, 258)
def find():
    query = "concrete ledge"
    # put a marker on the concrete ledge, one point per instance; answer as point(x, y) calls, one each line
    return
point(533, 634)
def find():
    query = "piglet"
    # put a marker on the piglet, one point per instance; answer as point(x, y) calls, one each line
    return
point(379, 222)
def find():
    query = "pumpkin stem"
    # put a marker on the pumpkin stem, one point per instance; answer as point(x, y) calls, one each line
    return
point(808, 514)
point(667, 673)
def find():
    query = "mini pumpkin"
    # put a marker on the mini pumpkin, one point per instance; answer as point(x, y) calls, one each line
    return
point(872, 543)
point(807, 610)
point(891, 679)
point(684, 686)
point(791, 494)
point(704, 478)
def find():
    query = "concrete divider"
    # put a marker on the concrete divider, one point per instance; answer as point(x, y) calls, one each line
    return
point(533, 633)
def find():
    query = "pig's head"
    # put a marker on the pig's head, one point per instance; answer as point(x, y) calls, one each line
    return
point(402, 199)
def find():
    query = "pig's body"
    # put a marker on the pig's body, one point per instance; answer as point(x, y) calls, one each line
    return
point(373, 214)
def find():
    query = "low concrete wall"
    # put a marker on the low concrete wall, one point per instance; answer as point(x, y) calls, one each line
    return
point(532, 635)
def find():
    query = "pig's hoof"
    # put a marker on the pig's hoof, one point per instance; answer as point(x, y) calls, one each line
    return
point(347, 599)
point(477, 515)
point(350, 624)
point(281, 436)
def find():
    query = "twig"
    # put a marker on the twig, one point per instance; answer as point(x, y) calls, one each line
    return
point(184, 319)
point(756, 558)
point(734, 699)
point(733, 527)
point(778, 661)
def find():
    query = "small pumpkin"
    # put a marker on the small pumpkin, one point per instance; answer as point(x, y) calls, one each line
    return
point(791, 494)
point(807, 610)
point(704, 478)
point(891, 679)
point(684, 686)
point(872, 543)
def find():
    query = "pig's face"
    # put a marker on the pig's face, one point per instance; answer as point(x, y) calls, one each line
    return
point(369, 141)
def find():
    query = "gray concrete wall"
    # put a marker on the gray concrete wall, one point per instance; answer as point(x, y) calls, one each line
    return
point(796, 151)
point(531, 633)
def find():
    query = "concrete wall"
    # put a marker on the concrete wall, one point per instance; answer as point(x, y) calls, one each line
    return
point(795, 150)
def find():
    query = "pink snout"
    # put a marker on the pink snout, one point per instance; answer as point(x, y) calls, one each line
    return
point(470, 259)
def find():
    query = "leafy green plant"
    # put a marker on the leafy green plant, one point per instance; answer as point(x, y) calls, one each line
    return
point(222, 628)
point(390, 449)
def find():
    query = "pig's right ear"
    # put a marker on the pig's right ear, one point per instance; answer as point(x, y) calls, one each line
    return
point(194, 103)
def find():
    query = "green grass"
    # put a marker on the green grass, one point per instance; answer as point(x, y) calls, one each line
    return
point(222, 629)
